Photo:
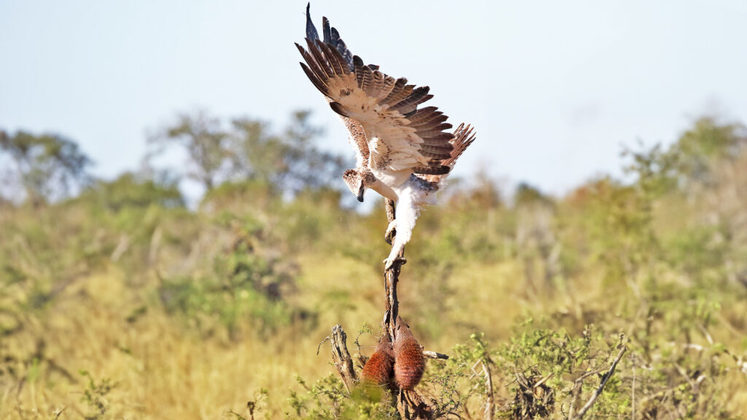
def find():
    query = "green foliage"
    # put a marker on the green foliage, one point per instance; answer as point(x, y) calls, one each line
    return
point(308, 166)
point(46, 166)
point(659, 258)
point(245, 283)
point(705, 144)
point(556, 371)
point(458, 384)
point(256, 404)
point(699, 251)
point(328, 399)
point(250, 150)
point(527, 194)
point(130, 191)
point(94, 396)
point(202, 137)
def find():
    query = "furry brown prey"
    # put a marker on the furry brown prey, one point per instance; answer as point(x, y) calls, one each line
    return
point(403, 149)
point(409, 362)
point(379, 369)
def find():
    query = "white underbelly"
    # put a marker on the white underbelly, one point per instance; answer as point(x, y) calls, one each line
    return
point(393, 179)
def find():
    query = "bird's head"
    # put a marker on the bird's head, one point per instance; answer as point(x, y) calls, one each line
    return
point(357, 180)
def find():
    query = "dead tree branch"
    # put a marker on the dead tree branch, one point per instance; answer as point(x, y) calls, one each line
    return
point(409, 404)
point(599, 390)
point(435, 355)
point(489, 400)
point(341, 357)
point(391, 277)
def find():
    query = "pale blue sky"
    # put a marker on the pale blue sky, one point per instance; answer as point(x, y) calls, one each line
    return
point(554, 88)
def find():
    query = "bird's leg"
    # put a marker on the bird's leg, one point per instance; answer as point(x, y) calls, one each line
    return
point(394, 255)
point(404, 221)
point(391, 231)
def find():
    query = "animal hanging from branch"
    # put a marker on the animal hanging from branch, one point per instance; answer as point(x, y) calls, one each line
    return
point(403, 149)
point(409, 362)
point(379, 369)
point(400, 363)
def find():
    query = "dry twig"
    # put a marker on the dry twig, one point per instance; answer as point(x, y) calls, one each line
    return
point(489, 401)
point(341, 357)
point(435, 355)
point(599, 390)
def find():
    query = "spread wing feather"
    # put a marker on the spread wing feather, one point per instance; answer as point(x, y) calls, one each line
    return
point(464, 135)
point(318, 77)
point(331, 37)
point(383, 108)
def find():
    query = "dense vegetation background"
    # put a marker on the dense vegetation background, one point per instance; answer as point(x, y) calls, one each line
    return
point(118, 300)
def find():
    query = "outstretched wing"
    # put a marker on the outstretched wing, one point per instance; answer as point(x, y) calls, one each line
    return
point(464, 135)
point(399, 134)
point(332, 37)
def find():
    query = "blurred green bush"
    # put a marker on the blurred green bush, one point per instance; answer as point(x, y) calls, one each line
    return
point(660, 257)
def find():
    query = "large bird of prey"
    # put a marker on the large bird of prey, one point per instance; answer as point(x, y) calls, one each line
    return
point(403, 150)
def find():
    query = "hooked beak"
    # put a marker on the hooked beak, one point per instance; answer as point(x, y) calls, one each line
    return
point(361, 190)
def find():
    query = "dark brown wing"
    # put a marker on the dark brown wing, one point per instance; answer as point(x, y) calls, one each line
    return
point(464, 135)
point(408, 137)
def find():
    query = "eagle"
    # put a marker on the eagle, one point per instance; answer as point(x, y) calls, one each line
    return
point(403, 150)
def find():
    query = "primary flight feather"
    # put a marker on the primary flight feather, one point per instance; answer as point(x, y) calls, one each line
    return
point(403, 150)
